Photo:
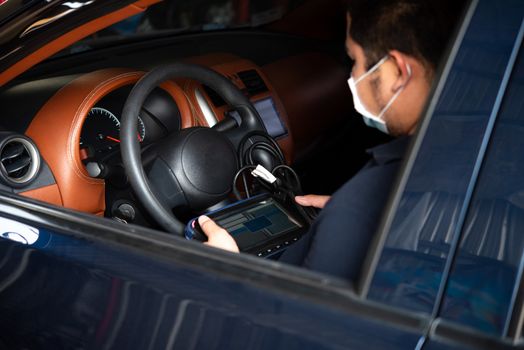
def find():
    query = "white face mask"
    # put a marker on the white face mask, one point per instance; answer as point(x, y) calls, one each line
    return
point(374, 121)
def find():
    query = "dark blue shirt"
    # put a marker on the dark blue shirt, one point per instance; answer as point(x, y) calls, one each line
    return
point(339, 238)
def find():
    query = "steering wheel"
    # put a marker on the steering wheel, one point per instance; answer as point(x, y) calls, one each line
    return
point(192, 167)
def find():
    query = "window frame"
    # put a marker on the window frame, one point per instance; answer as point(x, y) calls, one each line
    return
point(442, 330)
point(443, 72)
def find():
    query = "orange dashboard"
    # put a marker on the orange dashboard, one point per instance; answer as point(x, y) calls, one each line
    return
point(305, 93)
point(66, 111)
point(259, 88)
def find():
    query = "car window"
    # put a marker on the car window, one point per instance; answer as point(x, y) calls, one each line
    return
point(492, 241)
point(425, 228)
point(184, 16)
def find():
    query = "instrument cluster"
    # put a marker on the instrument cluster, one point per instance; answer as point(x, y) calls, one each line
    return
point(100, 136)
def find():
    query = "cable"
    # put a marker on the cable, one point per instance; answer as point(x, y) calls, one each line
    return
point(283, 188)
point(298, 187)
point(263, 135)
point(309, 213)
point(241, 171)
point(245, 156)
point(260, 145)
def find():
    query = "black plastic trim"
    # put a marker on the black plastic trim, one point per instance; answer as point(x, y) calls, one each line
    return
point(453, 334)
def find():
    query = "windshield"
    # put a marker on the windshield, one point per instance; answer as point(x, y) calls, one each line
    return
point(189, 16)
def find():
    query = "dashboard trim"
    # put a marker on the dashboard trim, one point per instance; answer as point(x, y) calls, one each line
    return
point(207, 112)
point(49, 194)
point(64, 114)
point(229, 65)
point(66, 111)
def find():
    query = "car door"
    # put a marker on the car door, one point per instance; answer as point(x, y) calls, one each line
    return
point(86, 282)
point(452, 244)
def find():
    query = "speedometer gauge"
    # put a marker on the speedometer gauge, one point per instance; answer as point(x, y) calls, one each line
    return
point(101, 131)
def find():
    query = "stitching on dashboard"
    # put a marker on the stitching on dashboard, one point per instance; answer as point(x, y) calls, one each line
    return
point(78, 122)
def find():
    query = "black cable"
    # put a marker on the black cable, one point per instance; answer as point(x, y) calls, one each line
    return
point(282, 188)
point(260, 145)
point(246, 155)
point(297, 179)
point(275, 152)
point(241, 171)
point(263, 135)
point(309, 213)
point(246, 187)
point(243, 153)
point(284, 185)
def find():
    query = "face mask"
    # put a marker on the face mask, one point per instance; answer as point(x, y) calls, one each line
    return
point(371, 120)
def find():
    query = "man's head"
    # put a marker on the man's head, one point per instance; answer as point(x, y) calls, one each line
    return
point(412, 36)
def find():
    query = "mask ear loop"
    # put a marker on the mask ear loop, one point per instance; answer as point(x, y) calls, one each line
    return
point(384, 110)
point(408, 68)
point(372, 69)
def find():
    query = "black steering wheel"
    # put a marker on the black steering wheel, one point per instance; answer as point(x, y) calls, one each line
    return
point(192, 167)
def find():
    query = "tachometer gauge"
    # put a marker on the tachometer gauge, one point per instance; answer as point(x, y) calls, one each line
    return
point(101, 131)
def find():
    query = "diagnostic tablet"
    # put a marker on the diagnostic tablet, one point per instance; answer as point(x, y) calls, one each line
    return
point(260, 225)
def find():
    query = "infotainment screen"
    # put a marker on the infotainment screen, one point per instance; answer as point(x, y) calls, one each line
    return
point(269, 114)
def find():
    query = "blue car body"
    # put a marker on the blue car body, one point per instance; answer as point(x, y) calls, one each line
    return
point(445, 270)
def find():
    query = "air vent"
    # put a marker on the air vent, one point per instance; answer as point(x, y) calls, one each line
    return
point(253, 82)
point(19, 160)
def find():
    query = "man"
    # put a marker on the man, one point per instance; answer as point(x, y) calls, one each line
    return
point(396, 46)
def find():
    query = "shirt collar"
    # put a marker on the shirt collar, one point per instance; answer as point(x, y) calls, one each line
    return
point(391, 151)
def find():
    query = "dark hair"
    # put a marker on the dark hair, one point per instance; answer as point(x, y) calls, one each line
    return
point(419, 28)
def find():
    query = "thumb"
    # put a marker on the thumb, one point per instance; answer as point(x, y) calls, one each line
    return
point(208, 226)
point(217, 236)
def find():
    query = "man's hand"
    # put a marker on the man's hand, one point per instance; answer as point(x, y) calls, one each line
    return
point(216, 236)
point(312, 200)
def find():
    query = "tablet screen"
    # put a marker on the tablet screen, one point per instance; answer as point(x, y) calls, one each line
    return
point(257, 223)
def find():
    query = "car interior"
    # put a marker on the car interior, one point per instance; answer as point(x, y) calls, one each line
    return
point(85, 128)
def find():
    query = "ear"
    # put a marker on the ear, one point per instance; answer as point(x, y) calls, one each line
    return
point(404, 69)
